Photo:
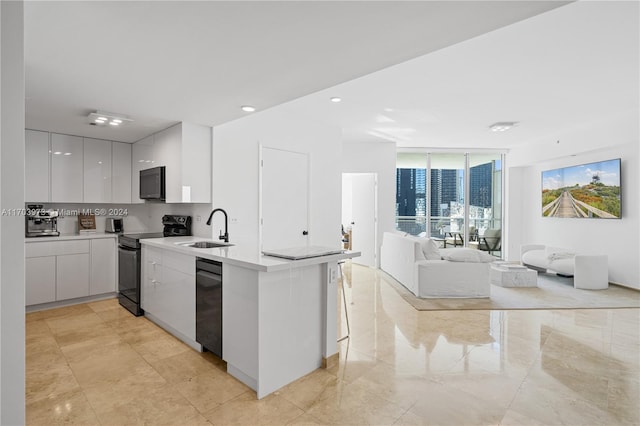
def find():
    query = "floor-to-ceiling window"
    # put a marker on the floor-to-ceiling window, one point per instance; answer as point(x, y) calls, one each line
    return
point(485, 201)
point(411, 195)
point(455, 198)
point(447, 198)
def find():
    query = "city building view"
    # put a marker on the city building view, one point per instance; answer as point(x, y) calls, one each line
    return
point(446, 198)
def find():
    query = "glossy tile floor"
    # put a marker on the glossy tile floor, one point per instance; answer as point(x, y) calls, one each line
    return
point(96, 364)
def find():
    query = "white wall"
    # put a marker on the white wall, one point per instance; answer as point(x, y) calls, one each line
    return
point(236, 172)
point(12, 388)
point(380, 158)
point(618, 238)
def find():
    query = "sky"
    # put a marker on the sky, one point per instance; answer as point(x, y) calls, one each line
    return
point(609, 172)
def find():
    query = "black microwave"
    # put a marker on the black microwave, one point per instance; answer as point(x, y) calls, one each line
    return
point(152, 184)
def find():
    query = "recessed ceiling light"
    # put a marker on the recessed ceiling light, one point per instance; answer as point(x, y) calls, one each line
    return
point(67, 153)
point(57, 153)
point(248, 108)
point(117, 120)
point(99, 121)
point(113, 123)
point(336, 99)
point(502, 126)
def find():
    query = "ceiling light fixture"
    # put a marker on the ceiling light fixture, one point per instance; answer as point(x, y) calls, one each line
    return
point(336, 99)
point(247, 108)
point(101, 118)
point(502, 126)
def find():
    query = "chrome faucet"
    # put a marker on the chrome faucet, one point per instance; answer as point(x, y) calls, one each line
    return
point(224, 237)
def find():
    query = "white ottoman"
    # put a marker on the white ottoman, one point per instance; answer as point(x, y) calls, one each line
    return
point(513, 275)
point(591, 272)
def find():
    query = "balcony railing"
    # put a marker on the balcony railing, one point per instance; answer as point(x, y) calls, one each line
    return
point(439, 225)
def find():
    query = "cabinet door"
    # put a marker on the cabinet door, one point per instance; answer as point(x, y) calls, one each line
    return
point(36, 166)
point(178, 298)
point(103, 266)
point(66, 168)
point(72, 276)
point(196, 163)
point(167, 153)
point(142, 158)
point(97, 171)
point(151, 280)
point(40, 280)
point(121, 172)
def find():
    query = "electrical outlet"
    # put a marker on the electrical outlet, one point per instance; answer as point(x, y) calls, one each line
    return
point(234, 220)
point(198, 218)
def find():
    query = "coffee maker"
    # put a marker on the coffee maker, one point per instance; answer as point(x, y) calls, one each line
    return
point(40, 222)
point(176, 225)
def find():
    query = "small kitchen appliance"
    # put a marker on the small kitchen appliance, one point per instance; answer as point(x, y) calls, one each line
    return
point(129, 256)
point(114, 225)
point(41, 222)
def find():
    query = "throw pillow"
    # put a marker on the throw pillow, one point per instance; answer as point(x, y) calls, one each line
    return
point(429, 248)
point(557, 253)
point(467, 255)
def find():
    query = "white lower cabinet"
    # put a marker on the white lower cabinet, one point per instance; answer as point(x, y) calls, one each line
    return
point(151, 279)
point(61, 270)
point(103, 266)
point(72, 276)
point(178, 294)
point(169, 289)
point(40, 280)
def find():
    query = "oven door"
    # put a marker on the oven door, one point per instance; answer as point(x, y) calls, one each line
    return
point(129, 273)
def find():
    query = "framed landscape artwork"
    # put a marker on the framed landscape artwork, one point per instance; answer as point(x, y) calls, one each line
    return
point(585, 191)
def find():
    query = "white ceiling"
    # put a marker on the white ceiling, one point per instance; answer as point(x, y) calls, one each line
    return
point(161, 62)
point(555, 74)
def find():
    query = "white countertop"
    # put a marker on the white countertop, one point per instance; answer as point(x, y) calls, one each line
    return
point(250, 258)
point(64, 237)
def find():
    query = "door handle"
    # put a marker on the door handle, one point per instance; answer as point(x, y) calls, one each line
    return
point(305, 233)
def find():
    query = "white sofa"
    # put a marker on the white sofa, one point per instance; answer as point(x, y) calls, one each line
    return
point(589, 272)
point(403, 257)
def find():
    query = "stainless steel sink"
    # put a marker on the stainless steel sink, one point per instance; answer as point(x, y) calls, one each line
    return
point(205, 244)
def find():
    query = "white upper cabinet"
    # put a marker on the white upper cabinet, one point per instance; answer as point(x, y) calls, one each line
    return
point(97, 171)
point(36, 166)
point(167, 147)
point(196, 162)
point(185, 151)
point(66, 168)
point(142, 157)
point(121, 172)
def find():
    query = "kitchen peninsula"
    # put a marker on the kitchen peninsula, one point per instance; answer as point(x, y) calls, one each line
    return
point(279, 317)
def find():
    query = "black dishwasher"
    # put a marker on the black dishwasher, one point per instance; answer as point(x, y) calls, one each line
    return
point(209, 305)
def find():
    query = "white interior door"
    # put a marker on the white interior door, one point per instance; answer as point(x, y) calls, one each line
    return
point(364, 211)
point(284, 199)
